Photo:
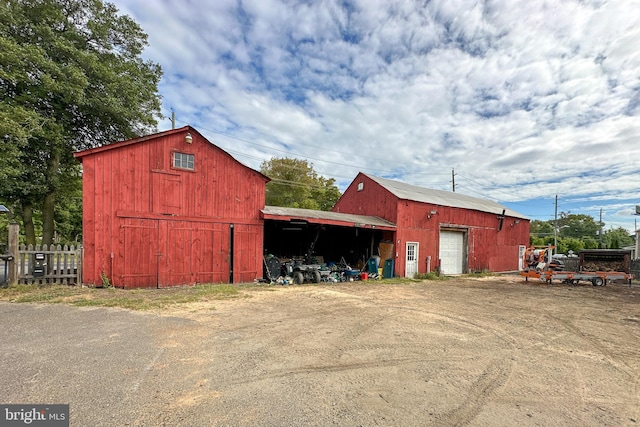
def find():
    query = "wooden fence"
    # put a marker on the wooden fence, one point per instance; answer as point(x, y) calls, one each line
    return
point(40, 264)
point(46, 265)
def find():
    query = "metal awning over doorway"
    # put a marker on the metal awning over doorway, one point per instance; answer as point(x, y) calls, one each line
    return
point(320, 235)
point(326, 218)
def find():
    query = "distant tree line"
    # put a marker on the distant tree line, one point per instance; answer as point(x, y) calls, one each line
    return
point(574, 232)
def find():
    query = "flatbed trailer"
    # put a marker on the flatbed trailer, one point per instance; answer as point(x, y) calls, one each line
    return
point(597, 278)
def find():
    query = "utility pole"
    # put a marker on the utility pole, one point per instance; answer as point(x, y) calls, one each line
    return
point(173, 119)
point(555, 227)
point(635, 226)
point(600, 228)
point(453, 180)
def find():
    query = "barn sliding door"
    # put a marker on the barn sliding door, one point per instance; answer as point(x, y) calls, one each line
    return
point(194, 252)
point(136, 264)
point(247, 252)
point(210, 253)
point(176, 263)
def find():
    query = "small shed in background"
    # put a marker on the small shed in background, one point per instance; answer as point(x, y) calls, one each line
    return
point(440, 229)
point(169, 209)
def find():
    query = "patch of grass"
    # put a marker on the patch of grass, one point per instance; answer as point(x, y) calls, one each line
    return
point(120, 302)
point(36, 293)
point(430, 276)
point(483, 273)
point(396, 281)
point(216, 291)
point(138, 299)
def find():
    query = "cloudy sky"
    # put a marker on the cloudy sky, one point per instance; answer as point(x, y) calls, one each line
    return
point(524, 100)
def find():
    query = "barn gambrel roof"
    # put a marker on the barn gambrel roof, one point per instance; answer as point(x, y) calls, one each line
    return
point(442, 198)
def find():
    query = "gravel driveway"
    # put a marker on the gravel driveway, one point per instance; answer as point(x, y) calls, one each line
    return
point(476, 352)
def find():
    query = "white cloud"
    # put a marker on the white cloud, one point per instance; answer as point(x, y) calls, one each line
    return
point(525, 99)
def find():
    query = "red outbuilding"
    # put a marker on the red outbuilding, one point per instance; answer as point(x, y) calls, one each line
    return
point(440, 229)
point(169, 209)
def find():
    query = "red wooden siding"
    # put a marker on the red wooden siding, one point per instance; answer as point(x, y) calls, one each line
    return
point(135, 265)
point(373, 200)
point(248, 243)
point(487, 248)
point(148, 224)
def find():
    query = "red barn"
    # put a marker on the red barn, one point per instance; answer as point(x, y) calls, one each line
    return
point(440, 229)
point(170, 209)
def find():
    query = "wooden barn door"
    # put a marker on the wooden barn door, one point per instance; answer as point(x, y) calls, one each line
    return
point(210, 253)
point(194, 252)
point(169, 253)
point(176, 263)
point(247, 252)
point(137, 261)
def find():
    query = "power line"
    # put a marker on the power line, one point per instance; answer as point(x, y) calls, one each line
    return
point(467, 176)
point(305, 145)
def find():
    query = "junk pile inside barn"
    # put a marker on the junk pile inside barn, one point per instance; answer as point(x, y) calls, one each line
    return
point(308, 246)
point(296, 271)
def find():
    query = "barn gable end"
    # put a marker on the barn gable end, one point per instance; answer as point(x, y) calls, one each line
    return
point(170, 209)
point(440, 230)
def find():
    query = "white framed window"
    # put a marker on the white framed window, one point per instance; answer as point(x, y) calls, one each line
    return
point(183, 161)
point(360, 186)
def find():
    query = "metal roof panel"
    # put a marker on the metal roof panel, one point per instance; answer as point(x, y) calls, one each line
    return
point(442, 198)
point(319, 216)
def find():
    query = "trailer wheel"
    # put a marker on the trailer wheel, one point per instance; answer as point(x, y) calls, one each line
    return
point(597, 281)
point(315, 276)
point(298, 278)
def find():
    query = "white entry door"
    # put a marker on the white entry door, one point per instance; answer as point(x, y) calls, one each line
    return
point(521, 251)
point(452, 252)
point(411, 264)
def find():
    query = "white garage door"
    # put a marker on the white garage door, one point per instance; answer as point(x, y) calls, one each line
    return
point(451, 252)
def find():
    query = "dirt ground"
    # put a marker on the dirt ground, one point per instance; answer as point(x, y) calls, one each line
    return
point(463, 352)
point(490, 352)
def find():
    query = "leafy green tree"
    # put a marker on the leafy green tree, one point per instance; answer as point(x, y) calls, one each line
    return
point(535, 240)
point(578, 226)
point(68, 212)
point(567, 244)
point(71, 77)
point(590, 243)
point(541, 228)
point(577, 232)
point(617, 238)
point(295, 184)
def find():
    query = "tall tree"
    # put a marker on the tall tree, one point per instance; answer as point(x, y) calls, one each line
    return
point(541, 228)
point(578, 226)
point(617, 238)
point(71, 77)
point(295, 184)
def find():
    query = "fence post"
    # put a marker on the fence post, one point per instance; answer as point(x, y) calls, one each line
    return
point(12, 274)
point(79, 263)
